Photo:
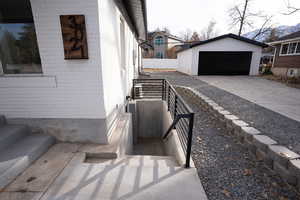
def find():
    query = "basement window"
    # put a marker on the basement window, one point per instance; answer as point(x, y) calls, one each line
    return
point(19, 53)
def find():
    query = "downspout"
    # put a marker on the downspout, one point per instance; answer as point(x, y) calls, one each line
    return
point(139, 45)
point(274, 58)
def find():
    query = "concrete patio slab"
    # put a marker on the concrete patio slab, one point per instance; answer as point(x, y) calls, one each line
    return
point(269, 94)
point(20, 195)
point(42, 173)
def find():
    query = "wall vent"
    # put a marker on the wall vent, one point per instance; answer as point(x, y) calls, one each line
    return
point(293, 73)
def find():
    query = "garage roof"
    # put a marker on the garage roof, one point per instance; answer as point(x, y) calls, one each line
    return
point(233, 36)
point(230, 35)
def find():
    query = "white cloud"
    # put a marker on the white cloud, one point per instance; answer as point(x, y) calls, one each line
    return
point(179, 15)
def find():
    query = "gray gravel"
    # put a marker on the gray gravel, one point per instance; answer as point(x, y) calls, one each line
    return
point(282, 129)
point(226, 169)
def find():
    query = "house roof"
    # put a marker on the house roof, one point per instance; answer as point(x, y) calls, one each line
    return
point(135, 14)
point(287, 38)
point(145, 45)
point(152, 34)
point(290, 36)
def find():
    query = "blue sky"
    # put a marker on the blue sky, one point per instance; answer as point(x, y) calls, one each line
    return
point(15, 29)
point(179, 15)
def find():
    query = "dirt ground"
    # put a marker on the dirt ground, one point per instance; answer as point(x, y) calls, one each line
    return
point(290, 83)
point(158, 70)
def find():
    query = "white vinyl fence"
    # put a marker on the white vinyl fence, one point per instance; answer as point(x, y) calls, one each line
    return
point(155, 63)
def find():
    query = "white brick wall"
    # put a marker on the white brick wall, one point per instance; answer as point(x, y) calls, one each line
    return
point(87, 89)
point(117, 81)
point(75, 90)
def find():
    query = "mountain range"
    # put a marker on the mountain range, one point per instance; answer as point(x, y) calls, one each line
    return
point(280, 31)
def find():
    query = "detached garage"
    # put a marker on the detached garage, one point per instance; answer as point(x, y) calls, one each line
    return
point(224, 55)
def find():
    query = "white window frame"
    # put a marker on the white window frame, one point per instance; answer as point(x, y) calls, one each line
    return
point(1, 69)
point(289, 54)
point(160, 39)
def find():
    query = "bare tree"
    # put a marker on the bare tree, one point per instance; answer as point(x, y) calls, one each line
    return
point(291, 9)
point(265, 27)
point(166, 29)
point(186, 35)
point(209, 31)
point(273, 36)
point(243, 17)
point(239, 17)
point(195, 37)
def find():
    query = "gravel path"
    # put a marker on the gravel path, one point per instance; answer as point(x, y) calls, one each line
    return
point(282, 129)
point(226, 169)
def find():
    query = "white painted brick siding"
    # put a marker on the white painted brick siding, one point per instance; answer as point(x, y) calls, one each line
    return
point(117, 80)
point(87, 89)
point(78, 86)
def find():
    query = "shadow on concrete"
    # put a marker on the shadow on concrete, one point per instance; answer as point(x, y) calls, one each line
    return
point(116, 179)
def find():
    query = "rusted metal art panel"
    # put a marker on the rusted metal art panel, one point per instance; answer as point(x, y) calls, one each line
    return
point(74, 36)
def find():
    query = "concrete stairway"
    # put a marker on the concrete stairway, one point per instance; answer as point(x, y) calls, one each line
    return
point(18, 149)
point(128, 177)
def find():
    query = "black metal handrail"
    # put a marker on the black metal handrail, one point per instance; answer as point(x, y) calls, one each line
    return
point(148, 88)
point(181, 113)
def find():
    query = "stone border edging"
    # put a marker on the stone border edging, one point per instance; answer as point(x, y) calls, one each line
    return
point(278, 158)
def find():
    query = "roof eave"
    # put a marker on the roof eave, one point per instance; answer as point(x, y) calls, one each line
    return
point(283, 41)
point(243, 39)
point(135, 14)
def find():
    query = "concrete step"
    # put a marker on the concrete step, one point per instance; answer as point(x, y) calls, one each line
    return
point(135, 161)
point(118, 145)
point(2, 120)
point(15, 159)
point(10, 134)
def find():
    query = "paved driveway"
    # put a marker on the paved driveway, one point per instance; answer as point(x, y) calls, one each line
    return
point(269, 94)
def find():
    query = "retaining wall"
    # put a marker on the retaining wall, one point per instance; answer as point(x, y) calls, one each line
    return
point(278, 158)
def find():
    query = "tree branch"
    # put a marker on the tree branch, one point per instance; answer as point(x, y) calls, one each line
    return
point(291, 9)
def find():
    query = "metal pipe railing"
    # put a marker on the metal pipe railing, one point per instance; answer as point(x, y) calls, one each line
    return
point(181, 113)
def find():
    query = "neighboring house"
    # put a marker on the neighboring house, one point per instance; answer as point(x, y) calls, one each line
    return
point(224, 55)
point(287, 55)
point(163, 45)
point(147, 50)
point(41, 85)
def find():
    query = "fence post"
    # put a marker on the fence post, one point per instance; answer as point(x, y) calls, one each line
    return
point(163, 90)
point(133, 89)
point(189, 142)
point(175, 106)
point(168, 97)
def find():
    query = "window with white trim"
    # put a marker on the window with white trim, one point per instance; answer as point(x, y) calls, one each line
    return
point(159, 40)
point(298, 48)
point(292, 48)
point(19, 53)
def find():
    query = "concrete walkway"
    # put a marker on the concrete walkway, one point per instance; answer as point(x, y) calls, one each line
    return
point(269, 94)
point(63, 173)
